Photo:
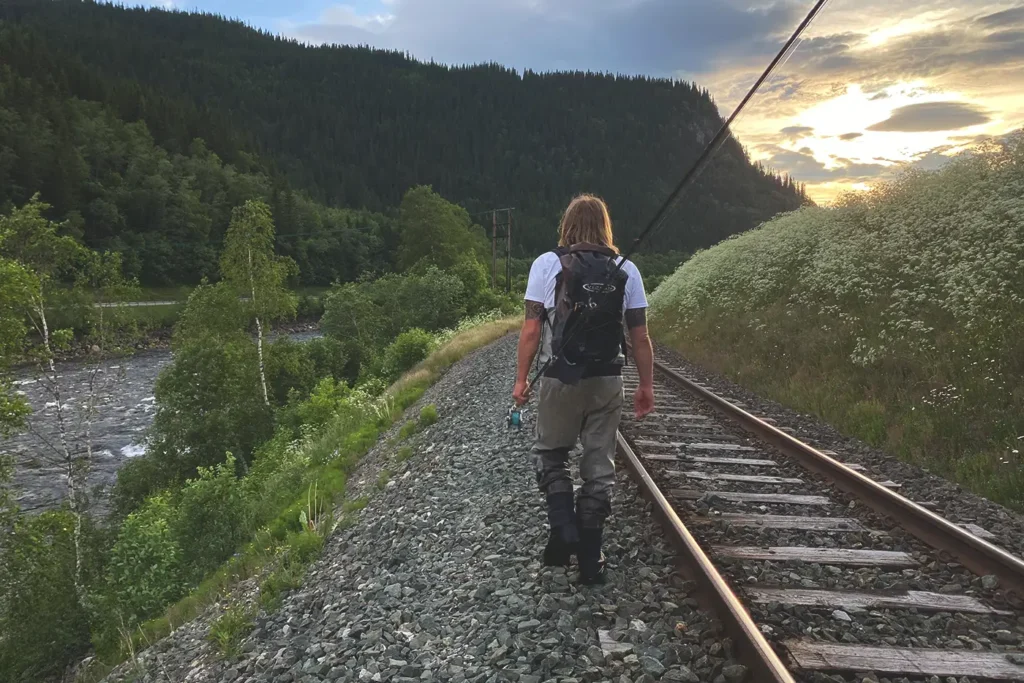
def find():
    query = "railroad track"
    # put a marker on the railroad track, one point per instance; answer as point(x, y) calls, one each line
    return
point(818, 570)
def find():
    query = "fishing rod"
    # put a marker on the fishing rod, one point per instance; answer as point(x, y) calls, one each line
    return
point(514, 417)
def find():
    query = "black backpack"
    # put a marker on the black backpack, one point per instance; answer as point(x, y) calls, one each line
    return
point(587, 328)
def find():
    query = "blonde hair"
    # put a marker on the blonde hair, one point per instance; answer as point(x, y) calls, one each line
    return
point(586, 219)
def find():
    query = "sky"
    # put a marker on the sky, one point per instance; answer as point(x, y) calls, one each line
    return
point(872, 86)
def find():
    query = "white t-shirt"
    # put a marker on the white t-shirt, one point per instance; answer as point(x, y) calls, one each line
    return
point(541, 285)
point(541, 288)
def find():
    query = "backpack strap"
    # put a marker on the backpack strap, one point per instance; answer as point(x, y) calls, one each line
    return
point(584, 246)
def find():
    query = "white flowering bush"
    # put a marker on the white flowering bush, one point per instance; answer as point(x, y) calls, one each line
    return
point(898, 312)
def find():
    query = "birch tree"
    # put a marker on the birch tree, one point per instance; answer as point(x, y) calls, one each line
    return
point(251, 269)
point(15, 293)
point(48, 266)
point(44, 257)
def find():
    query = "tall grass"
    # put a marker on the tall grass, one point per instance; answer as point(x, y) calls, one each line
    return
point(897, 315)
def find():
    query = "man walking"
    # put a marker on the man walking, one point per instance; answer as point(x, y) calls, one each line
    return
point(582, 296)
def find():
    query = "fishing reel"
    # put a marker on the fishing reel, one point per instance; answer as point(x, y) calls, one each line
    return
point(515, 417)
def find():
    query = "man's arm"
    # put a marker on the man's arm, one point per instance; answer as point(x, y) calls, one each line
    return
point(529, 340)
point(643, 356)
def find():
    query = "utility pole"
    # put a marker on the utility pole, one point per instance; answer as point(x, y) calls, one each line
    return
point(508, 254)
point(501, 231)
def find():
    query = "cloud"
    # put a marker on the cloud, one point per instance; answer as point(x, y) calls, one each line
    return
point(933, 116)
point(1009, 17)
point(653, 37)
point(794, 131)
point(850, 136)
point(804, 167)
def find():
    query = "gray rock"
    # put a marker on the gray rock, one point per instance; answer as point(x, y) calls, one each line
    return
point(652, 666)
point(734, 673)
point(681, 673)
point(527, 625)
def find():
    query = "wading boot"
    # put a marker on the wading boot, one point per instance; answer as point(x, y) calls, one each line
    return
point(563, 537)
point(591, 559)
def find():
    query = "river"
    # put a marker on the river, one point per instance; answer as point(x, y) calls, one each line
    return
point(124, 410)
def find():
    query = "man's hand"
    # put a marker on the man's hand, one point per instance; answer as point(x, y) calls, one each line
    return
point(643, 401)
point(521, 392)
point(529, 339)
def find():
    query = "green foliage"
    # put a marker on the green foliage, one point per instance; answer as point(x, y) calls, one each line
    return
point(328, 357)
point(407, 430)
point(16, 293)
point(213, 313)
point(310, 307)
point(43, 624)
point(289, 369)
point(432, 301)
point(367, 316)
point(434, 232)
point(145, 571)
point(280, 581)
point(404, 453)
point(656, 266)
point(408, 349)
point(138, 478)
point(250, 267)
point(229, 629)
point(209, 403)
point(428, 415)
point(383, 477)
point(898, 315)
point(324, 402)
point(210, 521)
point(355, 504)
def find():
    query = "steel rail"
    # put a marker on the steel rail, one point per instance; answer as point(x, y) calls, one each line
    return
point(715, 595)
point(976, 554)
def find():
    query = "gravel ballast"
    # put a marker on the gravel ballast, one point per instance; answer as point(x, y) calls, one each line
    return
point(440, 577)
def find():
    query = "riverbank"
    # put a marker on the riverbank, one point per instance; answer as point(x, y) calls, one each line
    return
point(123, 409)
point(155, 339)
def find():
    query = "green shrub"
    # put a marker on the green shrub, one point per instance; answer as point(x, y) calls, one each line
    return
point(382, 479)
point(304, 546)
point(404, 453)
point(209, 402)
point(210, 524)
point(145, 570)
point(277, 478)
point(324, 402)
point(328, 357)
point(428, 415)
point(408, 349)
point(137, 479)
point(310, 307)
point(407, 430)
point(44, 625)
point(356, 504)
point(229, 629)
point(283, 579)
point(288, 368)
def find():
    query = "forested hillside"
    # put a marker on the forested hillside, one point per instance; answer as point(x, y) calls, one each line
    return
point(101, 108)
